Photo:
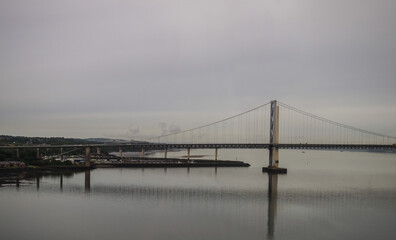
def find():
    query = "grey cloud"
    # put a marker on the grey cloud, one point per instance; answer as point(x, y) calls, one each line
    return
point(76, 57)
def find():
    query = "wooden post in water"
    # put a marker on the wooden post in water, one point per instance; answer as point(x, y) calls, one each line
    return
point(61, 182)
point(87, 181)
point(38, 182)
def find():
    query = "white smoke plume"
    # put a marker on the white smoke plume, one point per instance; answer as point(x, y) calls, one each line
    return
point(168, 129)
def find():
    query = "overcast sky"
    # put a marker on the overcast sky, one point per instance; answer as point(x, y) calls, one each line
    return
point(124, 68)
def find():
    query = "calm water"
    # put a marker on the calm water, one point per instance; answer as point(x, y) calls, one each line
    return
point(325, 195)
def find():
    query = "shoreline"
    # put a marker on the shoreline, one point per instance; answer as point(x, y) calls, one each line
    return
point(43, 170)
point(146, 162)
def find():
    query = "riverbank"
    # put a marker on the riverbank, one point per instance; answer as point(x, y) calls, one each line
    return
point(136, 162)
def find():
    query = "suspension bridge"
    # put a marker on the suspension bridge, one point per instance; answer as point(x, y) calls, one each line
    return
point(273, 126)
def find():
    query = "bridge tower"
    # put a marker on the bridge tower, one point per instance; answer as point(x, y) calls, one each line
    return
point(88, 156)
point(273, 165)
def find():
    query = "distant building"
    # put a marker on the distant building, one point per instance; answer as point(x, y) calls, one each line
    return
point(75, 159)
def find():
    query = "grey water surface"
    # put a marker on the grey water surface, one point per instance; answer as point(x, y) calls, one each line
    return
point(325, 195)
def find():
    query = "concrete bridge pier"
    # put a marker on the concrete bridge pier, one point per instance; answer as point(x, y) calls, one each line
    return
point(120, 151)
point(87, 156)
point(188, 154)
point(38, 153)
point(216, 151)
point(98, 150)
point(166, 153)
point(61, 154)
point(142, 152)
point(17, 154)
point(274, 157)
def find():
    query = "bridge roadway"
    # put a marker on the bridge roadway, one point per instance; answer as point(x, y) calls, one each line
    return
point(162, 146)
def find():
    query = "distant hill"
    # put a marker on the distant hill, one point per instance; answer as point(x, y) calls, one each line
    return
point(6, 140)
point(30, 155)
point(106, 140)
point(22, 140)
point(110, 140)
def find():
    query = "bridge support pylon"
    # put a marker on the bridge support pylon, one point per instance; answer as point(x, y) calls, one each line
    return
point(273, 166)
point(120, 151)
point(61, 154)
point(87, 156)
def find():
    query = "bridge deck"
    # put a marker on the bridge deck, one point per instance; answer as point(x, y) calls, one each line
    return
point(160, 146)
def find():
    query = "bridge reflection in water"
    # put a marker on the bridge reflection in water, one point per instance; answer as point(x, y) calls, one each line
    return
point(169, 192)
point(36, 179)
point(272, 203)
